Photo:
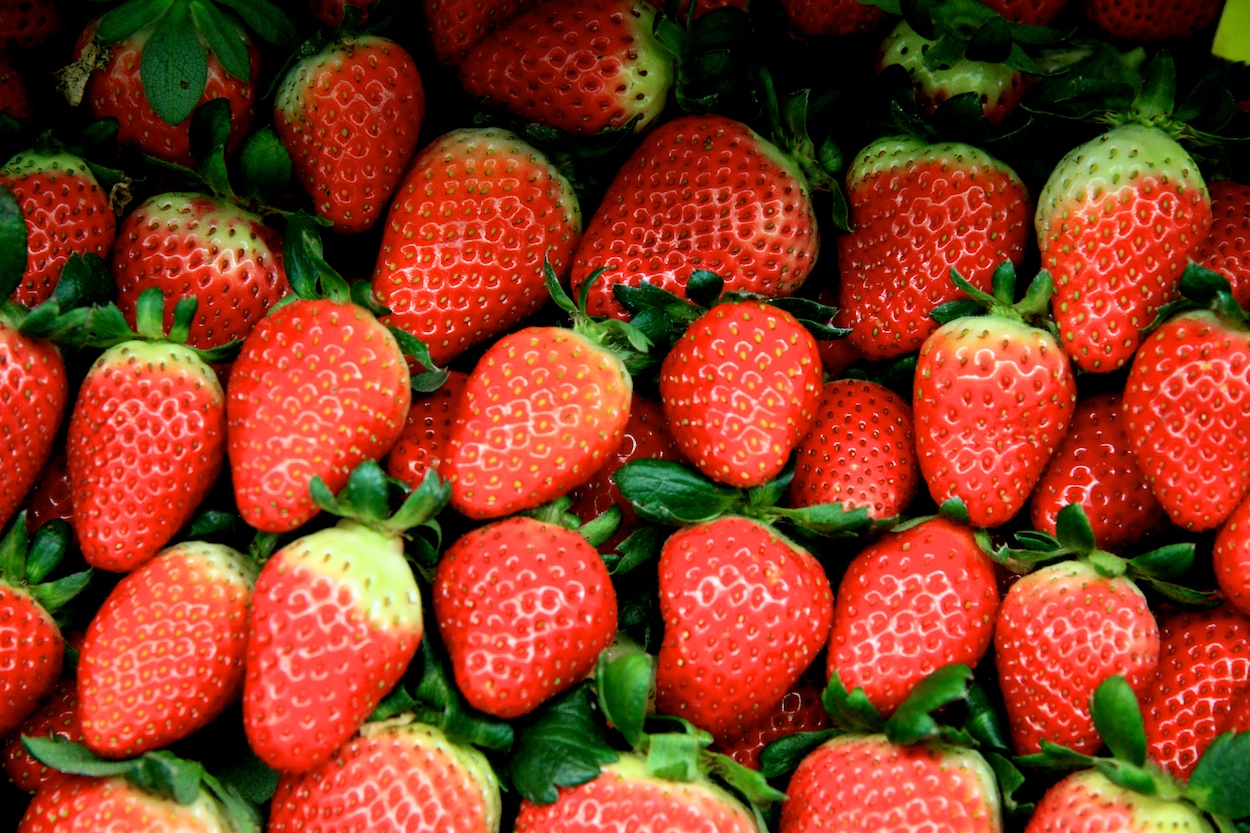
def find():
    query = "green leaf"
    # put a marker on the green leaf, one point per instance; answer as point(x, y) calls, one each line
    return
point(779, 758)
point(1218, 784)
point(1158, 90)
point(423, 505)
point(241, 813)
point(1073, 530)
point(13, 551)
point(366, 492)
point(54, 595)
point(395, 703)
point(1166, 562)
point(128, 18)
point(1009, 780)
point(1129, 776)
point(664, 491)
point(174, 67)
point(913, 720)
point(984, 722)
point(210, 131)
point(624, 685)
point(165, 774)
point(1056, 757)
point(210, 522)
point(251, 778)
point(85, 280)
point(563, 745)
point(264, 166)
point(830, 519)
point(461, 723)
point(641, 547)
point(222, 38)
point(744, 780)
point(67, 756)
point(1118, 719)
point(266, 20)
point(945, 52)
point(853, 710)
point(13, 246)
point(48, 546)
point(324, 498)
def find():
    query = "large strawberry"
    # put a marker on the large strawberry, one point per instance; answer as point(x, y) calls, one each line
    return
point(993, 399)
point(700, 193)
point(462, 251)
point(350, 114)
point(582, 66)
point(917, 211)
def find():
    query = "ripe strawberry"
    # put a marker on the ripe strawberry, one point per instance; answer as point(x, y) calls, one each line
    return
point(1151, 20)
point(860, 451)
point(423, 445)
point(1118, 220)
point(1087, 800)
point(27, 24)
point(836, 18)
point(524, 608)
point(700, 192)
point(626, 797)
point(909, 604)
point(196, 246)
point(958, 208)
point(349, 115)
point(57, 717)
point(164, 653)
point(993, 399)
point(1094, 467)
point(51, 498)
point(33, 396)
point(455, 26)
point(392, 779)
point(740, 389)
point(861, 783)
point(77, 803)
point(319, 386)
point(1204, 664)
point(1231, 558)
point(800, 710)
point(582, 66)
point(66, 212)
point(1031, 12)
point(745, 612)
point(462, 250)
point(1227, 248)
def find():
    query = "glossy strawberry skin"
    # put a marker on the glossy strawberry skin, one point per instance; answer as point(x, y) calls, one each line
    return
point(543, 410)
point(1094, 466)
point(1231, 558)
point(1061, 632)
point(195, 246)
point(31, 652)
point(164, 653)
point(745, 613)
point(33, 397)
point(740, 389)
point(414, 779)
point(462, 251)
point(1086, 802)
point(700, 192)
point(525, 609)
point(1151, 20)
point(456, 26)
point(909, 604)
point(349, 116)
point(1185, 401)
point(860, 451)
point(423, 445)
point(146, 441)
point(993, 400)
point(66, 213)
point(76, 804)
point(319, 387)
point(57, 717)
point(800, 710)
point(1227, 248)
point(863, 783)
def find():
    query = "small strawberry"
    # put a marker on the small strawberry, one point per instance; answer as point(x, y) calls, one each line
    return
point(745, 613)
point(800, 710)
point(909, 604)
point(825, 18)
point(860, 451)
point(917, 211)
point(423, 445)
point(455, 26)
point(66, 212)
point(57, 717)
point(740, 389)
point(349, 115)
point(463, 246)
point(582, 66)
point(1227, 248)
point(1151, 20)
point(1231, 558)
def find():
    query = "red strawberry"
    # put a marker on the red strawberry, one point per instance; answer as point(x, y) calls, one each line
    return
point(1231, 558)
point(58, 717)
point(33, 396)
point(1204, 664)
point(1151, 20)
point(391, 779)
point(52, 496)
point(196, 246)
point(745, 612)
point(582, 66)
point(349, 115)
point(1227, 249)
point(824, 18)
point(27, 24)
point(66, 212)
point(1086, 801)
point(332, 12)
point(700, 193)
point(801, 710)
point(1094, 467)
point(1118, 220)
point(865, 784)
point(524, 608)
point(909, 604)
point(423, 445)
point(164, 653)
point(14, 97)
point(917, 211)
point(860, 451)
point(740, 389)
point(462, 250)
point(77, 803)
point(455, 26)
point(319, 387)
point(1031, 12)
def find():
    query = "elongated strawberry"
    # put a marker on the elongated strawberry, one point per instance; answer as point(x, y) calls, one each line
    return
point(462, 251)
point(57, 717)
point(349, 115)
point(1227, 248)
point(583, 67)
point(917, 211)
point(33, 397)
point(700, 193)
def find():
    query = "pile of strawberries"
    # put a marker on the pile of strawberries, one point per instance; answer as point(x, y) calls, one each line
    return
point(576, 415)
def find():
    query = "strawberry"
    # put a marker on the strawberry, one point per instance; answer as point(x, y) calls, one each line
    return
point(422, 446)
point(164, 653)
point(1151, 20)
point(825, 18)
point(146, 440)
point(917, 211)
point(1231, 558)
point(59, 717)
point(1117, 221)
point(700, 193)
point(33, 397)
point(524, 608)
point(745, 612)
point(14, 97)
point(51, 498)
point(1094, 467)
point(860, 451)
point(909, 604)
point(196, 246)
point(1030, 12)
point(349, 115)
point(66, 212)
point(1227, 248)
point(993, 399)
point(332, 12)
point(1087, 800)
point(27, 24)
point(740, 389)
point(455, 26)
point(800, 710)
point(477, 269)
point(82, 803)
point(393, 778)
point(582, 66)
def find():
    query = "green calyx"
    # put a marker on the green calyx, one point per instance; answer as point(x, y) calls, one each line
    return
point(366, 499)
point(26, 561)
point(1203, 289)
point(106, 326)
point(1032, 308)
point(622, 339)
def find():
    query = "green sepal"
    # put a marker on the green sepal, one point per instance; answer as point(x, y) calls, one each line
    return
point(1009, 779)
point(780, 757)
point(1218, 783)
point(210, 131)
point(461, 723)
point(399, 701)
point(1129, 776)
point(984, 722)
point(150, 314)
point(366, 499)
point(65, 755)
point(561, 298)
point(674, 756)
point(813, 315)
point(913, 721)
point(600, 528)
point(123, 21)
point(704, 287)
point(266, 20)
point(251, 778)
point(1073, 530)
point(264, 166)
point(850, 710)
point(1203, 288)
point(367, 491)
point(263, 545)
point(749, 783)
point(303, 256)
point(624, 684)
point(832, 520)
point(222, 38)
point(174, 66)
point(1054, 757)
point(1107, 564)
point(54, 595)
point(667, 492)
point(1167, 562)
point(241, 814)
point(954, 310)
point(562, 744)
point(85, 280)
point(1157, 97)
point(955, 510)
point(13, 244)
point(208, 523)
point(47, 548)
point(642, 546)
point(423, 504)
point(13, 549)
point(1119, 721)
point(362, 296)
point(1184, 596)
